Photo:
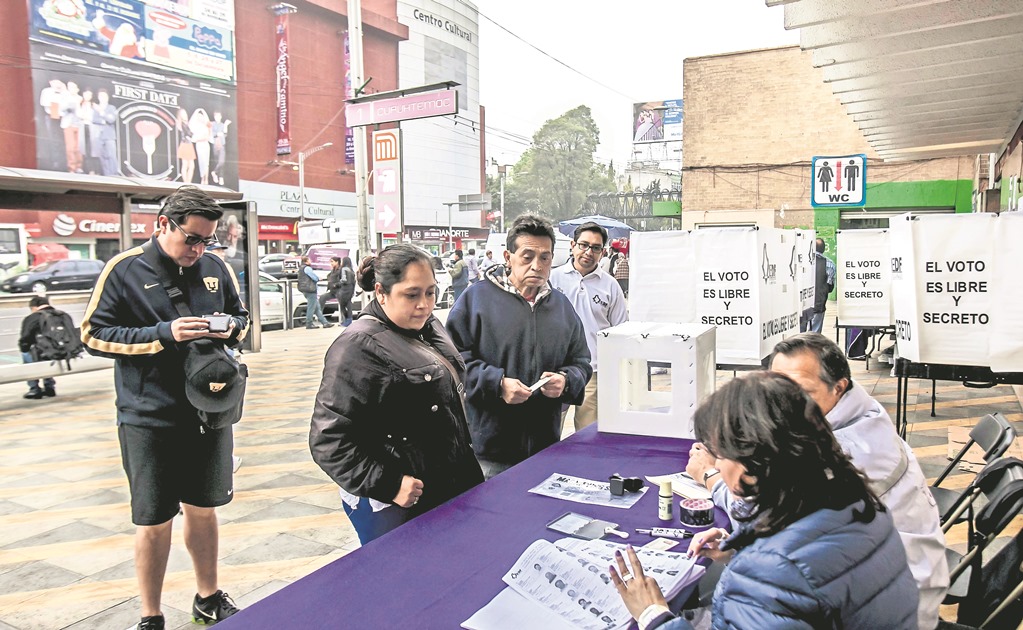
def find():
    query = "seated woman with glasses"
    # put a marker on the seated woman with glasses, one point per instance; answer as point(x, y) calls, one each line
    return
point(817, 549)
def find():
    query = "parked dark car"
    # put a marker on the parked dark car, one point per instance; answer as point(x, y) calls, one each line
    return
point(56, 275)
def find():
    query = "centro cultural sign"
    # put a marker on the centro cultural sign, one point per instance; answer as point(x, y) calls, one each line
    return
point(447, 25)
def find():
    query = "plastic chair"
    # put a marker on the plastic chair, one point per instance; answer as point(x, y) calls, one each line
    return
point(994, 435)
point(966, 573)
point(952, 505)
point(998, 602)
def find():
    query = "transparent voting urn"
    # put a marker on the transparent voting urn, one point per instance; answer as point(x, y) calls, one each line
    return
point(653, 376)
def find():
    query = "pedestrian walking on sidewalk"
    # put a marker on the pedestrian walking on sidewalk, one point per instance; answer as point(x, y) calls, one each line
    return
point(307, 280)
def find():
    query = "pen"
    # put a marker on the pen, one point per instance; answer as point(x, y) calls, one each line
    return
point(667, 532)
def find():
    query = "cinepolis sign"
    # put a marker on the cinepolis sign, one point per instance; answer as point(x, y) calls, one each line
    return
point(64, 225)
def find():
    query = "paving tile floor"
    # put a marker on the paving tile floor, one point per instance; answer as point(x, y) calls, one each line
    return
point(66, 539)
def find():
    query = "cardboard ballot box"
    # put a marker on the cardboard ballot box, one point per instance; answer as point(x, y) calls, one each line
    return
point(653, 376)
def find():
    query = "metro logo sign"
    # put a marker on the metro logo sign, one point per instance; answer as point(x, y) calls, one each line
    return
point(387, 191)
point(385, 146)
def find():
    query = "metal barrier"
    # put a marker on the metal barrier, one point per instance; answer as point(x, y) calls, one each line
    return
point(19, 372)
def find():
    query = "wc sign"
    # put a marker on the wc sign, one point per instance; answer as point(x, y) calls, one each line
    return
point(839, 181)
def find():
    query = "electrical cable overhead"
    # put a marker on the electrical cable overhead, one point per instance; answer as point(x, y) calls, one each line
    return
point(547, 54)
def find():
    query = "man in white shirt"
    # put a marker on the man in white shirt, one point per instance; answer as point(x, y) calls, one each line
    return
point(597, 299)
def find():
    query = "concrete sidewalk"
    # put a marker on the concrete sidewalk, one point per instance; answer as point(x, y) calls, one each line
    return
point(66, 538)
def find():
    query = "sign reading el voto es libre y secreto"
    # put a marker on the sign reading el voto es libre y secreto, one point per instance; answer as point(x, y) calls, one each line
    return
point(839, 180)
point(941, 279)
point(864, 278)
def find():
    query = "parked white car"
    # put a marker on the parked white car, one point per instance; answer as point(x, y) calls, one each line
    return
point(271, 301)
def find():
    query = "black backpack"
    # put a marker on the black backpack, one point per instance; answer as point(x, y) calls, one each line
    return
point(57, 339)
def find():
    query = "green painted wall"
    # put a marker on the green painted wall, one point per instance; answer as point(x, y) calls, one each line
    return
point(939, 193)
point(942, 193)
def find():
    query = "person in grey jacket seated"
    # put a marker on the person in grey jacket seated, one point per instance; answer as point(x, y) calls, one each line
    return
point(388, 424)
point(867, 435)
point(817, 548)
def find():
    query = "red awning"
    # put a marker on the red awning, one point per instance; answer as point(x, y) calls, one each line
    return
point(45, 252)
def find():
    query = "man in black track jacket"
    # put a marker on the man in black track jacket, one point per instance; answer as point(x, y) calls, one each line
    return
point(171, 460)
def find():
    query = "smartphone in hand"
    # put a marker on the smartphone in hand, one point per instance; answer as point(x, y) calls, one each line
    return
point(218, 323)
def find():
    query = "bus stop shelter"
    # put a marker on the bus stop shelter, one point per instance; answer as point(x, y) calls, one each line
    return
point(32, 189)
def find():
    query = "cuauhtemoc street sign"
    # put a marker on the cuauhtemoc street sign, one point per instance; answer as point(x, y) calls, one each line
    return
point(839, 181)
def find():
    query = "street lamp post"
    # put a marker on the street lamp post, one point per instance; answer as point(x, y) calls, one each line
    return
point(502, 170)
point(302, 155)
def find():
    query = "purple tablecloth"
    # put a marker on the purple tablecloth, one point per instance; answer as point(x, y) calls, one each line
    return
point(437, 570)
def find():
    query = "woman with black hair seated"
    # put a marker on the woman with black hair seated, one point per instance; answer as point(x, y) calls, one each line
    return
point(817, 549)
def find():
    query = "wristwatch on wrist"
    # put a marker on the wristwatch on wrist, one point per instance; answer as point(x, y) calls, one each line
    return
point(710, 473)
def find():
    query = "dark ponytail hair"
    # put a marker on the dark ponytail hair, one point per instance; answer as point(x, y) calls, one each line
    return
point(766, 422)
point(388, 267)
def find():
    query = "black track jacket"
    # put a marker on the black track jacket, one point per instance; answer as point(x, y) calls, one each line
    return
point(129, 319)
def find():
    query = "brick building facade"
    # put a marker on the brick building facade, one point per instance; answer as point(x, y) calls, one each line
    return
point(755, 119)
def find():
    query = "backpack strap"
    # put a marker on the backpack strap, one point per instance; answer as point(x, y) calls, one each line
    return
point(176, 295)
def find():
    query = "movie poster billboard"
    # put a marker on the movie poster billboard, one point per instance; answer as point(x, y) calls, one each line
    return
point(189, 46)
point(96, 116)
point(193, 36)
point(657, 121)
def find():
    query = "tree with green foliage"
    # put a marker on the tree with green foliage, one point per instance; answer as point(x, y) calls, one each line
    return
point(554, 176)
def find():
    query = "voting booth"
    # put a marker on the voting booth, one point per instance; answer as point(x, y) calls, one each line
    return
point(1006, 347)
point(806, 260)
point(864, 278)
point(746, 281)
point(662, 269)
point(943, 272)
point(653, 376)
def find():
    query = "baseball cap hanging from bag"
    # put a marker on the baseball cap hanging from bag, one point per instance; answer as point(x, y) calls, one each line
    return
point(214, 383)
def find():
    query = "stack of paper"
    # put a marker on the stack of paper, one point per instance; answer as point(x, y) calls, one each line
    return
point(565, 585)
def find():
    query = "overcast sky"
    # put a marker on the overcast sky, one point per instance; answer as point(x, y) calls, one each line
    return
point(635, 47)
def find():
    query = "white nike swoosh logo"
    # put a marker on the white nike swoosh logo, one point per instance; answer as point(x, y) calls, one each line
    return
point(150, 286)
point(206, 614)
point(230, 492)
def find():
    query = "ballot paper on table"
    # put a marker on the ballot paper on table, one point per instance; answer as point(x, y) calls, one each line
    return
point(566, 584)
point(683, 485)
point(586, 491)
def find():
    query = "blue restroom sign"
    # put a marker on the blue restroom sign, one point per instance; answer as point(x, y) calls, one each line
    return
point(839, 181)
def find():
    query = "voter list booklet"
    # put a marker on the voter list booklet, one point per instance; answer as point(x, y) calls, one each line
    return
point(566, 585)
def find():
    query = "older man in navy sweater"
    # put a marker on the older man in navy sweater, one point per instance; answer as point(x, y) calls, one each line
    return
point(514, 332)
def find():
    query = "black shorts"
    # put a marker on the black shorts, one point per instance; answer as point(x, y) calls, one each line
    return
point(170, 466)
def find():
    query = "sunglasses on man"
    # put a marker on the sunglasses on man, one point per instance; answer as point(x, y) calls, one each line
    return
point(192, 239)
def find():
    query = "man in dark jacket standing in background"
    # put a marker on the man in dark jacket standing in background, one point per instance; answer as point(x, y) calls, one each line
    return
point(171, 460)
point(30, 327)
point(518, 336)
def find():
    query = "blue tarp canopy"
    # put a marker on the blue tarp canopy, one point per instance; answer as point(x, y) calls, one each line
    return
point(614, 227)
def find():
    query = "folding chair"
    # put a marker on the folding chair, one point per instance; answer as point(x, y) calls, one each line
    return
point(994, 435)
point(952, 506)
point(998, 603)
point(966, 571)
